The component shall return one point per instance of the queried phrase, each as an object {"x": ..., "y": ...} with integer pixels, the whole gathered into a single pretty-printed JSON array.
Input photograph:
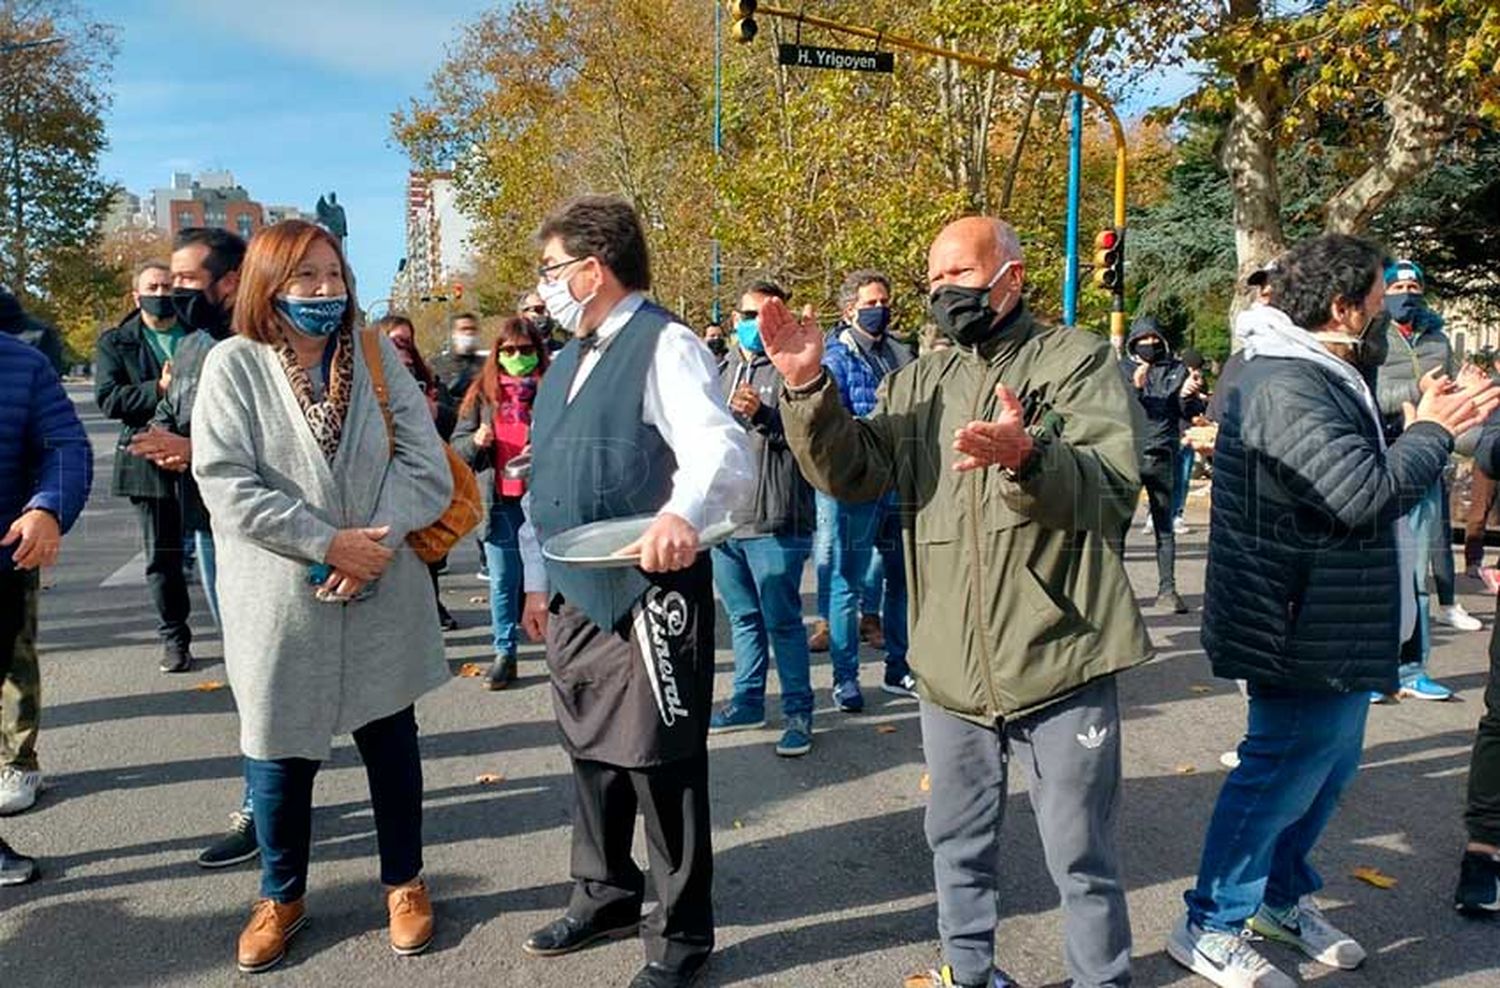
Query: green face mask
[{"x": 518, "y": 365}]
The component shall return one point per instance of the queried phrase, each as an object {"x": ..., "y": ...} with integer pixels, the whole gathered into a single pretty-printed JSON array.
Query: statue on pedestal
[{"x": 331, "y": 218}]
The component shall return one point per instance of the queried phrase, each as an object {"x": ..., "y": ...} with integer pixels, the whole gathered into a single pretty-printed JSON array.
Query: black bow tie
[{"x": 587, "y": 343}]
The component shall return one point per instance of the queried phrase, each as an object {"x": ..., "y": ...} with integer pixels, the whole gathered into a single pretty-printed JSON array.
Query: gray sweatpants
[{"x": 1071, "y": 752}]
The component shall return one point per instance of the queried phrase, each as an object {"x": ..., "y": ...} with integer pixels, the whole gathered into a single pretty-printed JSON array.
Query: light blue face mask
[
  {"x": 319, "y": 317},
  {"x": 747, "y": 331}
]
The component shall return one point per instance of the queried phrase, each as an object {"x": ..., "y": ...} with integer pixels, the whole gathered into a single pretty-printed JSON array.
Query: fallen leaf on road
[
  {"x": 738, "y": 825},
  {"x": 1200, "y": 689},
  {"x": 489, "y": 778},
  {"x": 926, "y": 784},
  {"x": 886, "y": 729},
  {"x": 207, "y": 687},
  {"x": 471, "y": 670},
  {"x": 1185, "y": 769},
  {"x": 1374, "y": 876}
]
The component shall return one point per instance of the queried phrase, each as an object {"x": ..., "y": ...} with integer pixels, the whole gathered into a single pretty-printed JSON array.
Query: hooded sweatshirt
[{"x": 1161, "y": 398}]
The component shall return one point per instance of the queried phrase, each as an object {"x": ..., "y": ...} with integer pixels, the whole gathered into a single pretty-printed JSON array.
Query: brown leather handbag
[{"x": 466, "y": 509}]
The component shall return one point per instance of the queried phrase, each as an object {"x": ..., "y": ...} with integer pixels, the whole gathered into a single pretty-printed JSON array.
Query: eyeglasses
[
  {"x": 548, "y": 272},
  {"x": 748, "y": 314},
  {"x": 513, "y": 349}
]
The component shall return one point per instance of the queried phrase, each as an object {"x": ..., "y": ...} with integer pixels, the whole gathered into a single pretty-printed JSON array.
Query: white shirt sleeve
[
  {"x": 715, "y": 474},
  {"x": 533, "y": 566}
]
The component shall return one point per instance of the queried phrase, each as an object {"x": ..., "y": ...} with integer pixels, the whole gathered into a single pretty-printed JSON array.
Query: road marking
[{"x": 132, "y": 574}]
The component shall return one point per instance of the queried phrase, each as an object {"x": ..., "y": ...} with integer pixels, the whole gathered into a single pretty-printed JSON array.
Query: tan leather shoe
[
  {"x": 264, "y": 939},
  {"x": 818, "y": 640},
  {"x": 411, "y": 917}
]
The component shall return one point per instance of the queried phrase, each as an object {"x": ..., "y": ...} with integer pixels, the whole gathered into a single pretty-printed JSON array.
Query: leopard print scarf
[{"x": 326, "y": 417}]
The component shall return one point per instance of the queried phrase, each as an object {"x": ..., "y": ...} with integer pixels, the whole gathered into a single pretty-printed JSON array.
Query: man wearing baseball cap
[{"x": 1420, "y": 349}]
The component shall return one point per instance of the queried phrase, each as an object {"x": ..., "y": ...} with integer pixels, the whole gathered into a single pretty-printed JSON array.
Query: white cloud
[{"x": 375, "y": 38}]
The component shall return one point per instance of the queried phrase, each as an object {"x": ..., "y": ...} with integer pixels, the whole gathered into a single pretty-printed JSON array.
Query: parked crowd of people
[{"x": 965, "y": 512}]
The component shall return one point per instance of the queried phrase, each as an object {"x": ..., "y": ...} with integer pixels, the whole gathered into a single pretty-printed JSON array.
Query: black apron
[{"x": 639, "y": 695}]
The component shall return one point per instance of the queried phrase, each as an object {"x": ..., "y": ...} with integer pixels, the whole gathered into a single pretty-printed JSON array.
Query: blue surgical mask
[
  {"x": 318, "y": 317},
  {"x": 747, "y": 331},
  {"x": 1404, "y": 307},
  {"x": 874, "y": 319}
]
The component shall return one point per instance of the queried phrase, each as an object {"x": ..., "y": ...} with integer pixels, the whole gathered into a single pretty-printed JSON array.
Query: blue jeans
[
  {"x": 1424, "y": 520},
  {"x": 870, "y": 592},
  {"x": 208, "y": 572},
  {"x": 282, "y": 793},
  {"x": 860, "y": 531},
  {"x": 502, "y": 550},
  {"x": 1184, "y": 480},
  {"x": 1301, "y": 750},
  {"x": 760, "y": 581}
]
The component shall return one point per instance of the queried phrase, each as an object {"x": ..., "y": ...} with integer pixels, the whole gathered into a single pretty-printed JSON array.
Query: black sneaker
[
  {"x": 237, "y": 846},
  {"x": 1478, "y": 885},
  {"x": 446, "y": 619},
  {"x": 15, "y": 869},
  {"x": 175, "y": 658}
]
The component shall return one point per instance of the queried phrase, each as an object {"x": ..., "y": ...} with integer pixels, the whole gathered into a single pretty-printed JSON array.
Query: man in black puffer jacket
[
  {"x": 1168, "y": 394},
  {"x": 1305, "y": 595}
]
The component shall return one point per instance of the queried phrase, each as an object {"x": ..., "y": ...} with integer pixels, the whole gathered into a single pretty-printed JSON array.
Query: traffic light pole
[
  {"x": 1035, "y": 76},
  {"x": 717, "y": 271}
]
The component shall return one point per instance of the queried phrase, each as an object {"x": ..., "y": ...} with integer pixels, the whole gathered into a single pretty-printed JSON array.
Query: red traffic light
[
  {"x": 458, "y": 290},
  {"x": 1106, "y": 240}
]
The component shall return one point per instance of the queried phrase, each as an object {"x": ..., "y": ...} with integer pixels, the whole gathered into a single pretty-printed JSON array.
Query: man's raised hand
[
  {"x": 1003, "y": 442},
  {"x": 794, "y": 345}
]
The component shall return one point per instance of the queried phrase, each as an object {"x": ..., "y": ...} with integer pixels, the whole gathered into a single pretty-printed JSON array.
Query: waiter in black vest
[{"x": 629, "y": 421}]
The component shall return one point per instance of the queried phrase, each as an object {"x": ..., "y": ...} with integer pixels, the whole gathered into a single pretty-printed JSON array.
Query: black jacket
[
  {"x": 125, "y": 374},
  {"x": 1161, "y": 398},
  {"x": 1304, "y": 581},
  {"x": 783, "y": 502}
]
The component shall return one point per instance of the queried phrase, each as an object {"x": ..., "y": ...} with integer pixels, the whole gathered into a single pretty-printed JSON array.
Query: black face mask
[
  {"x": 1375, "y": 345},
  {"x": 1150, "y": 352},
  {"x": 158, "y": 306},
  {"x": 195, "y": 311},
  {"x": 717, "y": 346},
  {"x": 963, "y": 314}
]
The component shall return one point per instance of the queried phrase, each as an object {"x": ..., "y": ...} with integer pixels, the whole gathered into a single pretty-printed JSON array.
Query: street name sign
[{"x": 840, "y": 59}]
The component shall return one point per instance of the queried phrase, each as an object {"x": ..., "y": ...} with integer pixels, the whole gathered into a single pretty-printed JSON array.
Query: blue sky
[{"x": 293, "y": 96}]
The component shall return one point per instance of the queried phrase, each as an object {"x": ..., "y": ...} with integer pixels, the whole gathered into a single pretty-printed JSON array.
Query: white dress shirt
[{"x": 715, "y": 473}]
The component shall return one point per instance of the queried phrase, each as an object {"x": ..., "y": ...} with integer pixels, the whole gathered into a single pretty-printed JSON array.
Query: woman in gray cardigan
[{"x": 328, "y": 621}]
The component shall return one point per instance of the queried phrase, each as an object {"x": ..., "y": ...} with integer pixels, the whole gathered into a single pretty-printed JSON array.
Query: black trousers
[
  {"x": 161, "y": 529},
  {"x": 1159, "y": 475},
  {"x": 1482, "y": 814},
  {"x": 609, "y": 888}
]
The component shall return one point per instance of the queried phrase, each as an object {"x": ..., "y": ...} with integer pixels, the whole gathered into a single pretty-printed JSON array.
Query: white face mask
[
  {"x": 561, "y": 305},
  {"x": 465, "y": 344}
]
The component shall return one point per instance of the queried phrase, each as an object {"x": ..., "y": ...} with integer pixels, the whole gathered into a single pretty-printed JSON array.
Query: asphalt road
[{"x": 822, "y": 873}]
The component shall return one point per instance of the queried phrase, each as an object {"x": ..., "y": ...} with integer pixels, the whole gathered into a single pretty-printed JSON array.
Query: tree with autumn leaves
[{"x": 823, "y": 171}]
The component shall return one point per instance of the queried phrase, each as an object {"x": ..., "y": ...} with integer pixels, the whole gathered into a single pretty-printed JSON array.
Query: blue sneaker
[
  {"x": 796, "y": 740},
  {"x": 847, "y": 697},
  {"x": 735, "y": 716},
  {"x": 1424, "y": 688},
  {"x": 1377, "y": 697}
]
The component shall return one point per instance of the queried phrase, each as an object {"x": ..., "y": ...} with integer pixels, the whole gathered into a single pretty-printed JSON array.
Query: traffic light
[
  {"x": 745, "y": 28},
  {"x": 1109, "y": 260},
  {"x": 458, "y": 291}
]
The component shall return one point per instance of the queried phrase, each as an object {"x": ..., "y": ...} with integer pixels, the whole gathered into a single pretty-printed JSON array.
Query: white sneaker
[
  {"x": 18, "y": 790},
  {"x": 1305, "y": 927},
  {"x": 1180, "y": 527},
  {"x": 1457, "y": 617},
  {"x": 1226, "y": 959}
]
